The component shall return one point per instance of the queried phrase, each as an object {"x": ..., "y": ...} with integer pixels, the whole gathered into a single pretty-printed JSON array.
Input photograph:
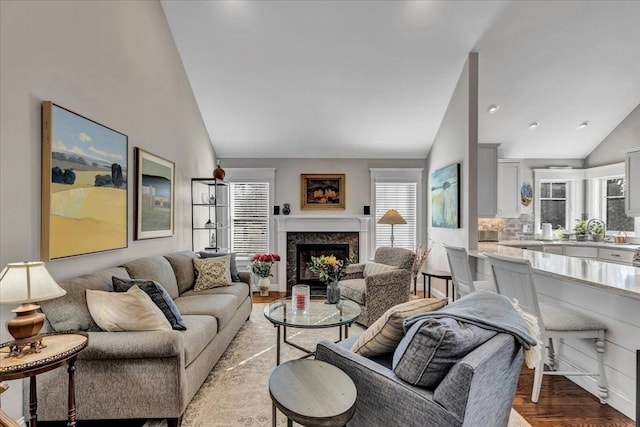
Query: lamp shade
[
  {"x": 392, "y": 216},
  {"x": 26, "y": 282}
]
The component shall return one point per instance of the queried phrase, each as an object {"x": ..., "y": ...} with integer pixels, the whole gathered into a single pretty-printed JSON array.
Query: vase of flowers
[
  {"x": 422, "y": 252},
  {"x": 261, "y": 267},
  {"x": 330, "y": 270}
]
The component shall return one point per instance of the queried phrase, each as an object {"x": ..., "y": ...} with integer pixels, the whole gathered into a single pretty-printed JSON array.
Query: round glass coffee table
[{"x": 319, "y": 315}]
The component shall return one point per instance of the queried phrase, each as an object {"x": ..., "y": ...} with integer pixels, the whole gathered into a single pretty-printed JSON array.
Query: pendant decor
[{"x": 218, "y": 172}]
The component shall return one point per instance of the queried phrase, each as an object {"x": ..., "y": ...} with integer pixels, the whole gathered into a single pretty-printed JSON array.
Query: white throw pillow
[
  {"x": 372, "y": 268},
  {"x": 125, "y": 311}
]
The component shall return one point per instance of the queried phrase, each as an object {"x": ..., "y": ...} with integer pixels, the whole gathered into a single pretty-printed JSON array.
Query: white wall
[
  {"x": 457, "y": 142},
  {"x": 611, "y": 150},
  {"x": 116, "y": 63}
]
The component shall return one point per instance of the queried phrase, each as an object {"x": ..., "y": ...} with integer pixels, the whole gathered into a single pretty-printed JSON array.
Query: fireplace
[{"x": 304, "y": 252}]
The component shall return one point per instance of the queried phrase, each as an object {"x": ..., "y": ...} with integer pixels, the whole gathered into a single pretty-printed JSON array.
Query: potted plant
[
  {"x": 261, "y": 267},
  {"x": 581, "y": 230},
  {"x": 596, "y": 230}
]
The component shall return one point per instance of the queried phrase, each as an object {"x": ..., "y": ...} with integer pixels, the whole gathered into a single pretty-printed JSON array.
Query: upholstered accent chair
[
  {"x": 379, "y": 285},
  {"x": 463, "y": 282}
]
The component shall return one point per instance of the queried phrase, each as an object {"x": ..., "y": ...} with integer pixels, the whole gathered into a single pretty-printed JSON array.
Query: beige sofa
[{"x": 150, "y": 374}]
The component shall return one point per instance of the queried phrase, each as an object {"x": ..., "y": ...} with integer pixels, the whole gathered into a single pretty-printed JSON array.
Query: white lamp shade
[
  {"x": 392, "y": 216},
  {"x": 25, "y": 282}
]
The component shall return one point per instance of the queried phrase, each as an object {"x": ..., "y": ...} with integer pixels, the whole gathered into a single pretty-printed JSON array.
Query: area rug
[{"x": 236, "y": 391}]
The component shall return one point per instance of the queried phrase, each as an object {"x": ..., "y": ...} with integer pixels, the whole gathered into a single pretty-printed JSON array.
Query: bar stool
[{"x": 461, "y": 272}]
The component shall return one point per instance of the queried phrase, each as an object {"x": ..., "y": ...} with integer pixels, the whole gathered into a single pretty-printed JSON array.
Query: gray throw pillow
[
  {"x": 232, "y": 264},
  {"x": 432, "y": 346},
  {"x": 159, "y": 296}
]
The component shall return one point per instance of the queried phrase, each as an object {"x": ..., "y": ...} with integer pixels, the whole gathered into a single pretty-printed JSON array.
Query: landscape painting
[
  {"x": 155, "y": 189},
  {"x": 84, "y": 185},
  {"x": 322, "y": 191},
  {"x": 445, "y": 197}
]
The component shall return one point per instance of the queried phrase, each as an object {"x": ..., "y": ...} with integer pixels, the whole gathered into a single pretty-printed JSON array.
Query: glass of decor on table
[{"x": 300, "y": 299}]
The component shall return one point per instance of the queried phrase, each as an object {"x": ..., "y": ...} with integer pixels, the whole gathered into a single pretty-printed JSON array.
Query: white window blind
[
  {"x": 249, "y": 218},
  {"x": 400, "y": 196}
]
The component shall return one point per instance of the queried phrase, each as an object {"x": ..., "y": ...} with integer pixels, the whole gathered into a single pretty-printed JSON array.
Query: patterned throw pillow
[
  {"x": 372, "y": 268},
  {"x": 212, "y": 272},
  {"x": 232, "y": 264},
  {"x": 385, "y": 333}
]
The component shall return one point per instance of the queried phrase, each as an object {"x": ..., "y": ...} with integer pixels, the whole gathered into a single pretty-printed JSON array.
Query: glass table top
[{"x": 319, "y": 314}]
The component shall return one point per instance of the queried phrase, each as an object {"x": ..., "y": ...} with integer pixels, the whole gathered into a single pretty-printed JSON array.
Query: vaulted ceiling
[{"x": 373, "y": 79}]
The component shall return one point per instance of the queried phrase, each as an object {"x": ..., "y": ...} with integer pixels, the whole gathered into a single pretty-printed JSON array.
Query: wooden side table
[
  {"x": 438, "y": 274},
  {"x": 61, "y": 349},
  {"x": 313, "y": 393}
]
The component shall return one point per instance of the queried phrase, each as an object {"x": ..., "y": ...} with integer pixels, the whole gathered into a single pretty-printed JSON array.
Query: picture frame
[
  {"x": 155, "y": 196},
  {"x": 445, "y": 197},
  {"x": 322, "y": 191},
  {"x": 84, "y": 185}
]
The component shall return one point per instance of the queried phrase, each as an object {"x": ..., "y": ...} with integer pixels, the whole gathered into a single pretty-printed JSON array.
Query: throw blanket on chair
[{"x": 494, "y": 312}]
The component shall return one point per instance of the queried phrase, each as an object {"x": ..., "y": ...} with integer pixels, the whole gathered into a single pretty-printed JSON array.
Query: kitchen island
[{"x": 604, "y": 290}]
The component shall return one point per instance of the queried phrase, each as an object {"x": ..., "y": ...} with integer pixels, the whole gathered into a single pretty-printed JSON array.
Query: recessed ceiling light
[
  {"x": 533, "y": 125},
  {"x": 583, "y": 125},
  {"x": 492, "y": 108}
]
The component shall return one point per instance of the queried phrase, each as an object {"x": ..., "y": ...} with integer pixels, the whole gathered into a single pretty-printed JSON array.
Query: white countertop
[
  {"x": 608, "y": 245},
  {"x": 620, "y": 279}
]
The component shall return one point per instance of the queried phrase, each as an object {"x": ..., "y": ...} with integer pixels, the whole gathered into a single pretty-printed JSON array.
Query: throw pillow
[
  {"x": 432, "y": 346},
  {"x": 385, "y": 333},
  {"x": 158, "y": 295},
  {"x": 235, "y": 277},
  {"x": 125, "y": 311},
  {"x": 372, "y": 268},
  {"x": 212, "y": 272}
]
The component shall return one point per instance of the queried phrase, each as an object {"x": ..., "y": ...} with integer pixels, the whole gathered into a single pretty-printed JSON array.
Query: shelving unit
[{"x": 210, "y": 215}]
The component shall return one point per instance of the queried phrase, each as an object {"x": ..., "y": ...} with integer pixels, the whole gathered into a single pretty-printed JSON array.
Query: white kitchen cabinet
[
  {"x": 615, "y": 255},
  {"x": 508, "y": 189},
  {"x": 632, "y": 182},
  {"x": 581, "y": 251},
  {"x": 487, "y": 180},
  {"x": 554, "y": 249}
]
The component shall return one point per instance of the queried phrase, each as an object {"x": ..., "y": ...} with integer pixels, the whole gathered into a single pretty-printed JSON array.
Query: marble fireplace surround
[{"x": 319, "y": 224}]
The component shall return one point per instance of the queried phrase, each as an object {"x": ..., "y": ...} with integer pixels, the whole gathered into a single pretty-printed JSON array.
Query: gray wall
[
  {"x": 611, "y": 150},
  {"x": 116, "y": 63}
]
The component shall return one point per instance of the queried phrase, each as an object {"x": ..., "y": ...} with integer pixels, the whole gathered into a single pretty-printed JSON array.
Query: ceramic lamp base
[{"x": 25, "y": 329}]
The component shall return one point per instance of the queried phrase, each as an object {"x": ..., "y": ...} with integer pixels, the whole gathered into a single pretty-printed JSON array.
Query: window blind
[
  {"x": 249, "y": 218},
  {"x": 400, "y": 196}
]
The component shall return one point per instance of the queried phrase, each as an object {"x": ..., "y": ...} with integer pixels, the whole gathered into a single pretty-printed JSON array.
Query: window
[
  {"x": 553, "y": 204},
  {"x": 400, "y": 196},
  {"x": 249, "y": 218},
  {"x": 613, "y": 206}
]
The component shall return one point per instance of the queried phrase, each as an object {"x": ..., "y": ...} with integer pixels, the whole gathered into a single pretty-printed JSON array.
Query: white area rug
[{"x": 236, "y": 392}]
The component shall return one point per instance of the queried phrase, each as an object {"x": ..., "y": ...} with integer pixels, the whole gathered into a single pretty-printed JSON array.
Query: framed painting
[
  {"x": 155, "y": 179},
  {"x": 445, "y": 197},
  {"x": 322, "y": 191},
  {"x": 84, "y": 185}
]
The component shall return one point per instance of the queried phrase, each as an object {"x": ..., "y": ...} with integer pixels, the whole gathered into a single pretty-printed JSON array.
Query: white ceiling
[{"x": 372, "y": 79}]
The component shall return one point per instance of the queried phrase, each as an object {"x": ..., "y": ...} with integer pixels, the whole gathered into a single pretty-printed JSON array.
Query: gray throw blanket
[{"x": 486, "y": 310}]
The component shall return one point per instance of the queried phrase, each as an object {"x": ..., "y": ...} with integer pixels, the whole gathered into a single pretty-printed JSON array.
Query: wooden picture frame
[
  {"x": 445, "y": 197},
  {"x": 155, "y": 195},
  {"x": 84, "y": 185},
  {"x": 322, "y": 191}
]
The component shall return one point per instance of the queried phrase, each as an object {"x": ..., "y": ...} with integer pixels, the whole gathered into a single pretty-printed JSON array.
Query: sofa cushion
[
  {"x": 158, "y": 295},
  {"x": 125, "y": 311},
  {"x": 154, "y": 268},
  {"x": 372, "y": 268},
  {"x": 354, "y": 289},
  {"x": 70, "y": 312},
  {"x": 385, "y": 333},
  {"x": 182, "y": 264},
  {"x": 239, "y": 290},
  {"x": 200, "y": 331},
  {"x": 233, "y": 266},
  {"x": 212, "y": 272},
  {"x": 432, "y": 346},
  {"x": 222, "y": 307}
]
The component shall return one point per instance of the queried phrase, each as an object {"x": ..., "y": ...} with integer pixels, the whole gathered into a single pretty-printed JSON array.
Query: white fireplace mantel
[{"x": 318, "y": 224}]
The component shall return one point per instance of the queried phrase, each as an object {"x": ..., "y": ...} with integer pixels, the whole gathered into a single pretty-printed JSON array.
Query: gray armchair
[
  {"x": 477, "y": 391},
  {"x": 380, "y": 285}
]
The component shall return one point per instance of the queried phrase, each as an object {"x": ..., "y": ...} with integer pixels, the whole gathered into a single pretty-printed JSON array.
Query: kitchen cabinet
[
  {"x": 487, "y": 180},
  {"x": 210, "y": 215},
  {"x": 554, "y": 249},
  {"x": 632, "y": 182},
  {"x": 508, "y": 189},
  {"x": 581, "y": 251},
  {"x": 615, "y": 255}
]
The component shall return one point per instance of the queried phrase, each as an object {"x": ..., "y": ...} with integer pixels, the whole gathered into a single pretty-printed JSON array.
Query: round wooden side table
[
  {"x": 59, "y": 349},
  {"x": 312, "y": 393}
]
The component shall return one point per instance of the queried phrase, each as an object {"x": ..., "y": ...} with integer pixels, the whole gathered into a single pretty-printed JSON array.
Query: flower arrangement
[
  {"x": 328, "y": 267},
  {"x": 422, "y": 252},
  {"x": 261, "y": 264}
]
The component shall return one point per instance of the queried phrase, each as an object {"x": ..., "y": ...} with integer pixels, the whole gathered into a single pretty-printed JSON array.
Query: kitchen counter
[
  {"x": 529, "y": 243},
  {"x": 623, "y": 280}
]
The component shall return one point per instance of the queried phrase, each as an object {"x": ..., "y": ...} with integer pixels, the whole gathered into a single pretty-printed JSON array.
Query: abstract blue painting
[{"x": 445, "y": 197}]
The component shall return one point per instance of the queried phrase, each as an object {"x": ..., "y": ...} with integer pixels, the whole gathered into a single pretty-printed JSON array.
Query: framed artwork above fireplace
[{"x": 322, "y": 191}]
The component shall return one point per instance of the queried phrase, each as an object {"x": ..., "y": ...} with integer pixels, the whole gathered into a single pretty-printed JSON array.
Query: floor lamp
[{"x": 392, "y": 217}]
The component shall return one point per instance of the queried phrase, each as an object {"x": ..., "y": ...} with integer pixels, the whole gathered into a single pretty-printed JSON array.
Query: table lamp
[
  {"x": 26, "y": 283},
  {"x": 392, "y": 217}
]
